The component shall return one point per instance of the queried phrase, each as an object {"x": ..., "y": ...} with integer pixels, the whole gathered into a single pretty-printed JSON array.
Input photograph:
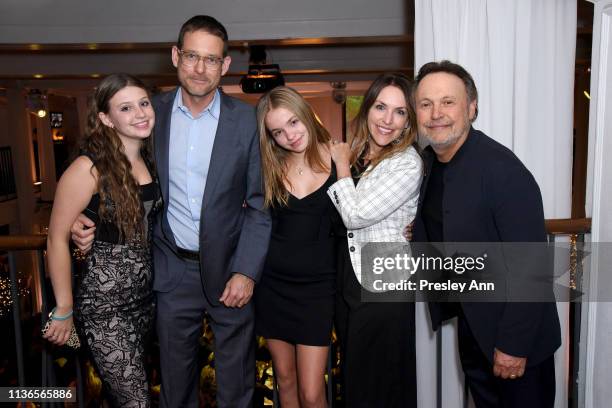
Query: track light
[{"x": 261, "y": 77}]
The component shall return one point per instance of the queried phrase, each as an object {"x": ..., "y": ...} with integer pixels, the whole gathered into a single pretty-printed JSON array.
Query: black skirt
[{"x": 377, "y": 346}]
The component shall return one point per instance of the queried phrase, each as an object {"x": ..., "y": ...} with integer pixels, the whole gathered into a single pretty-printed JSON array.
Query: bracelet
[
  {"x": 64, "y": 317},
  {"x": 78, "y": 254}
]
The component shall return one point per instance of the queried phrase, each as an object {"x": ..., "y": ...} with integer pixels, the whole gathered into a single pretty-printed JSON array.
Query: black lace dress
[{"x": 114, "y": 305}]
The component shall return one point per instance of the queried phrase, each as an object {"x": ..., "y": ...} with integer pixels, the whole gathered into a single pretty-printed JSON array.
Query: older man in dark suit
[
  {"x": 211, "y": 238},
  {"x": 476, "y": 190}
]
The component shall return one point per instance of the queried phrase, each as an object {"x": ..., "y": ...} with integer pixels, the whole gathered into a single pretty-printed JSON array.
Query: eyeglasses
[{"x": 190, "y": 59}]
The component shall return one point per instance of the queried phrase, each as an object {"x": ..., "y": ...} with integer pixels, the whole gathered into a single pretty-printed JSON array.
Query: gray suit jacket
[{"x": 234, "y": 226}]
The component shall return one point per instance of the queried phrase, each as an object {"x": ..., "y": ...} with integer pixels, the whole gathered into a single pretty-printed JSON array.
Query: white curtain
[{"x": 521, "y": 54}]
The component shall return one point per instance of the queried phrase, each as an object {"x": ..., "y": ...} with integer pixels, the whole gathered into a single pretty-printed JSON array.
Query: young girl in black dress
[
  {"x": 294, "y": 301},
  {"x": 112, "y": 180}
]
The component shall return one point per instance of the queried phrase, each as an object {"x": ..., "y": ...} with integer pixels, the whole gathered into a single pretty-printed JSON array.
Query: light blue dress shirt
[{"x": 191, "y": 144}]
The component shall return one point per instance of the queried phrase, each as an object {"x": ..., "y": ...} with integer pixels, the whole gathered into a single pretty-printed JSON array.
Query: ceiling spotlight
[
  {"x": 41, "y": 113},
  {"x": 261, "y": 77}
]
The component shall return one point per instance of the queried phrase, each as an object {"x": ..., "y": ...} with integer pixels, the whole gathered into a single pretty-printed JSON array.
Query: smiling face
[
  {"x": 387, "y": 117},
  {"x": 130, "y": 113},
  {"x": 444, "y": 113},
  {"x": 287, "y": 130},
  {"x": 199, "y": 82}
]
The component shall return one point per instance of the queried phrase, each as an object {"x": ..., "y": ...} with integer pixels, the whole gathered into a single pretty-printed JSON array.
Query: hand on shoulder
[{"x": 341, "y": 155}]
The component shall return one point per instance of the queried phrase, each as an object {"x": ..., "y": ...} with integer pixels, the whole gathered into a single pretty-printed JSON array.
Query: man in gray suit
[{"x": 211, "y": 238}]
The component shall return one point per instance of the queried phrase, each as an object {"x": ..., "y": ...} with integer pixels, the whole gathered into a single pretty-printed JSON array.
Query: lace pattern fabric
[
  {"x": 114, "y": 310},
  {"x": 115, "y": 306}
]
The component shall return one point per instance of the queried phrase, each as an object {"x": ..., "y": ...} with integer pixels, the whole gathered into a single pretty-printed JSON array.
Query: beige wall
[{"x": 319, "y": 95}]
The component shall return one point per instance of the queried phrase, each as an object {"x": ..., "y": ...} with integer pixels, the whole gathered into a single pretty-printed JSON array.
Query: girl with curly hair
[{"x": 113, "y": 182}]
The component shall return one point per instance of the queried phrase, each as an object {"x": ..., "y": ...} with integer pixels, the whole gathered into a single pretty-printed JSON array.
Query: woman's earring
[{"x": 401, "y": 136}]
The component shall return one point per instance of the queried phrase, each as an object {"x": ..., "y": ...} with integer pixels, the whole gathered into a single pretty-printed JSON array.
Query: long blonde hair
[
  {"x": 359, "y": 136},
  {"x": 273, "y": 157}
]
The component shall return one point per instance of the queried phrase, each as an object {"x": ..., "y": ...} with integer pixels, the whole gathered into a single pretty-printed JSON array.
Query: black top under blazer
[{"x": 490, "y": 196}]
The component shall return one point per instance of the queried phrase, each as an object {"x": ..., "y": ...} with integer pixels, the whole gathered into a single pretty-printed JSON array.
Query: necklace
[{"x": 300, "y": 169}]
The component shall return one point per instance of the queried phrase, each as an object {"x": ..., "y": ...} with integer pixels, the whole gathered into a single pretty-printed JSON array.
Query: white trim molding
[{"x": 597, "y": 349}]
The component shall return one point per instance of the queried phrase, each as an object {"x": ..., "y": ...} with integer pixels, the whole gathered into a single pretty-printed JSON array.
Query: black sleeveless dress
[
  {"x": 294, "y": 301},
  {"x": 114, "y": 305}
]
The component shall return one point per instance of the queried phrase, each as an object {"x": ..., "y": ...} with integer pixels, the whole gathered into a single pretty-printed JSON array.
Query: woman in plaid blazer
[{"x": 379, "y": 174}]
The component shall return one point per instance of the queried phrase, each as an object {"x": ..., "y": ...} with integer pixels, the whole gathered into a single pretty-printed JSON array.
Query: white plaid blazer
[{"x": 381, "y": 205}]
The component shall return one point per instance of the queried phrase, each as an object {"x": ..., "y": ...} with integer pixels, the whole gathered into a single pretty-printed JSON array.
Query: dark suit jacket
[
  {"x": 234, "y": 226},
  {"x": 490, "y": 196}
]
